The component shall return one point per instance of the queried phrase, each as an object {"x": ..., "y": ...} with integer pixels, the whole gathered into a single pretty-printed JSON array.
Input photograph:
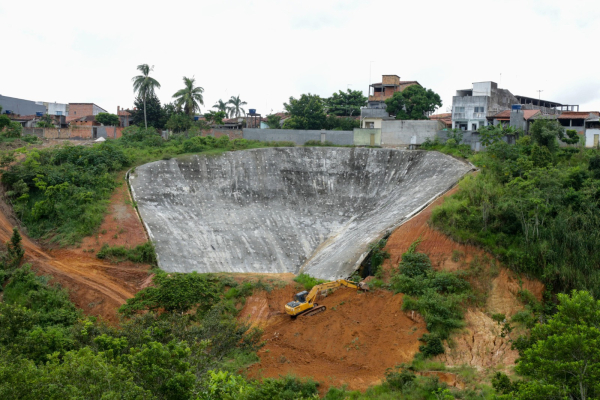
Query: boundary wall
[
  {"x": 300, "y": 136},
  {"x": 404, "y": 133}
]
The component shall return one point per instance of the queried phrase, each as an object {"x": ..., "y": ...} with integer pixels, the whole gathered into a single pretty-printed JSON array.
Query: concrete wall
[
  {"x": 75, "y": 132},
  {"x": 472, "y": 138},
  {"x": 299, "y": 136},
  {"x": 367, "y": 137},
  {"x": 589, "y": 137},
  {"x": 230, "y": 133},
  {"x": 20, "y": 106},
  {"x": 399, "y": 133}
]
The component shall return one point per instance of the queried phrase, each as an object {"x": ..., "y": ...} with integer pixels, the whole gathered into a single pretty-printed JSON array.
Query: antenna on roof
[{"x": 539, "y": 94}]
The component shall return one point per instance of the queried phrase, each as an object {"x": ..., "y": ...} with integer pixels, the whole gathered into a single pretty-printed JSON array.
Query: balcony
[{"x": 459, "y": 115}]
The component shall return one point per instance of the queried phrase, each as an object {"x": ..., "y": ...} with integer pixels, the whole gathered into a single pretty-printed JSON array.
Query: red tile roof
[
  {"x": 530, "y": 113},
  {"x": 441, "y": 116},
  {"x": 578, "y": 114}
]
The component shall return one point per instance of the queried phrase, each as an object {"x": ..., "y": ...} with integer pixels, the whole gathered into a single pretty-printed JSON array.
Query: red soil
[
  {"x": 96, "y": 286},
  {"x": 357, "y": 341},
  {"x": 353, "y": 342}
]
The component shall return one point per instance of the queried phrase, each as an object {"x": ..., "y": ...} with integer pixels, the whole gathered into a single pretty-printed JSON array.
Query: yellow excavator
[{"x": 303, "y": 303}]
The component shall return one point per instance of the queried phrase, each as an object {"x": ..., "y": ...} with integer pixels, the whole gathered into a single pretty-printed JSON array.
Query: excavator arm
[
  {"x": 307, "y": 306},
  {"x": 328, "y": 285}
]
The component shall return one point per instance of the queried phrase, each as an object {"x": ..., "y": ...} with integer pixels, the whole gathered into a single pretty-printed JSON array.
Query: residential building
[
  {"x": 125, "y": 117},
  {"x": 78, "y": 110},
  {"x": 372, "y": 116},
  {"x": 516, "y": 117},
  {"x": 380, "y": 92},
  {"x": 470, "y": 107},
  {"x": 576, "y": 120},
  {"x": 444, "y": 118},
  {"x": 13, "y": 105},
  {"x": 55, "y": 108}
]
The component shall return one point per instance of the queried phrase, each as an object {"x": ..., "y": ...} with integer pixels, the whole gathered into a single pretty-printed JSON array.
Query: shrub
[
  {"x": 142, "y": 253},
  {"x": 308, "y": 281}
]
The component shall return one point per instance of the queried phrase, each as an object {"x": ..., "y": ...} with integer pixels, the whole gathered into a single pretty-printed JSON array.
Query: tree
[
  {"x": 179, "y": 123},
  {"x": 346, "y": 103},
  {"x": 563, "y": 359},
  {"x": 144, "y": 85},
  {"x": 274, "y": 121},
  {"x": 571, "y": 137},
  {"x": 414, "y": 102},
  {"x": 155, "y": 115},
  {"x": 305, "y": 113},
  {"x": 107, "y": 119},
  {"x": 13, "y": 130},
  {"x": 545, "y": 131},
  {"x": 190, "y": 97},
  {"x": 235, "y": 109},
  {"x": 216, "y": 117},
  {"x": 45, "y": 122},
  {"x": 176, "y": 292},
  {"x": 221, "y": 106}
]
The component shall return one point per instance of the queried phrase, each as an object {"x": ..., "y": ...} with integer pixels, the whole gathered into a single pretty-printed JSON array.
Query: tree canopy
[
  {"x": 346, "y": 103},
  {"x": 235, "y": 107},
  {"x": 563, "y": 361},
  {"x": 221, "y": 105},
  {"x": 414, "y": 102},
  {"x": 107, "y": 119},
  {"x": 545, "y": 132},
  {"x": 155, "y": 114},
  {"x": 190, "y": 97},
  {"x": 144, "y": 85},
  {"x": 307, "y": 112}
]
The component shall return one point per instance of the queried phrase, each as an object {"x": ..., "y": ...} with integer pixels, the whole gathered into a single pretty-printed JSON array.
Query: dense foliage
[
  {"x": 107, "y": 119},
  {"x": 307, "y": 112},
  {"x": 346, "y": 103},
  {"x": 534, "y": 205},
  {"x": 414, "y": 102}
]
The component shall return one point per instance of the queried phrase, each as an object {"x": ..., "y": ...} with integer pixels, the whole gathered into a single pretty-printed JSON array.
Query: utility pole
[{"x": 539, "y": 94}]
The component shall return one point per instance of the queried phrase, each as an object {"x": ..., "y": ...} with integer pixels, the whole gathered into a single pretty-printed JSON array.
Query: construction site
[{"x": 271, "y": 214}]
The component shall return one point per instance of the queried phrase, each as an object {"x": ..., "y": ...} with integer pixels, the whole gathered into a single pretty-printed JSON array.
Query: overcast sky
[{"x": 267, "y": 51}]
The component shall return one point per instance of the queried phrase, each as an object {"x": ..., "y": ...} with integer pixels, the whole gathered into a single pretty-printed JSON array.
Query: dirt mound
[
  {"x": 97, "y": 287},
  {"x": 353, "y": 342}
]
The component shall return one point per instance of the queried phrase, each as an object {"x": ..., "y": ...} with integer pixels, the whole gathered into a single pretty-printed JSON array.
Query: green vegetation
[
  {"x": 108, "y": 119},
  {"x": 142, "y": 253},
  {"x": 190, "y": 97},
  {"x": 452, "y": 146},
  {"x": 438, "y": 296},
  {"x": 307, "y": 112},
  {"x": 45, "y": 122},
  {"x": 307, "y": 281},
  {"x": 61, "y": 193},
  {"x": 49, "y": 350},
  {"x": 144, "y": 85},
  {"x": 234, "y": 107},
  {"x": 346, "y": 103},
  {"x": 534, "y": 205},
  {"x": 414, "y": 102}
]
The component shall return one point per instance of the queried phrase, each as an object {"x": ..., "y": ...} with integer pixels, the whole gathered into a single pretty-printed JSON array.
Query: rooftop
[{"x": 578, "y": 114}]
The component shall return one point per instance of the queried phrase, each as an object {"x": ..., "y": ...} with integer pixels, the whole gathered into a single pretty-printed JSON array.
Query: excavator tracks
[{"x": 315, "y": 311}]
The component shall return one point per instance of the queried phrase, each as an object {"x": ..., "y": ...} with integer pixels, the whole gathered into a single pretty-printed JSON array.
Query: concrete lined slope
[{"x": 284, "y": 209}]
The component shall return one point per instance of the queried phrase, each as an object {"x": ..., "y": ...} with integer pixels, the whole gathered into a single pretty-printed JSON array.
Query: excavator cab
[{"x": 301, "y": 297}]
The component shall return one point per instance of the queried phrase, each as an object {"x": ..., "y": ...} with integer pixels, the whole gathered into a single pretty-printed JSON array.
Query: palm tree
[
  {"x": 190, "y": 97},
  {"x": 221, "y": 106},
  {"x": 144, "y": 85},
  {"x": 236, "y": 106}
]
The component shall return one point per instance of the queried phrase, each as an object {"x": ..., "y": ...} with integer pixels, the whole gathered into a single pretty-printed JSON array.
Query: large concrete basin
[{"x": 313, "y": 210}]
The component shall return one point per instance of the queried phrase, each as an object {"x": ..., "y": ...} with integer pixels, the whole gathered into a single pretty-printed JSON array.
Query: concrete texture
[
  {"x": 367, "y": 137},
  {"x": 404, "y": 133},
  {"x": 313, "y": 210},
  {"x": 299, "y": 136}
]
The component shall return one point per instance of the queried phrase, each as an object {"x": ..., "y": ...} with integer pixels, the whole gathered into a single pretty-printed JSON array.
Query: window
[
  {"x": 459, "y": 109},
  {"x": 74, "y": 112},
  {"x": 478, "y": 109},
  {"x": 59, "y": 113},
  {"x": 370, "y": 125}
]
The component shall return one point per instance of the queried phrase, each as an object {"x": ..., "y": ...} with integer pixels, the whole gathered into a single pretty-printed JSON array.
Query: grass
[
  {"x": 142, "y": 253},
  {"x": 307, "y": 281}
]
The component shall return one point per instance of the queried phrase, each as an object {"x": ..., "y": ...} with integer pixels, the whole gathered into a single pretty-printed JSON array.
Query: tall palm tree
[
  {"x": 221, "y": 106},
  {"x": 190, "y": 97},
  {"x": 236, "y": 106},
  {"x": 144, "y": 85}
]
